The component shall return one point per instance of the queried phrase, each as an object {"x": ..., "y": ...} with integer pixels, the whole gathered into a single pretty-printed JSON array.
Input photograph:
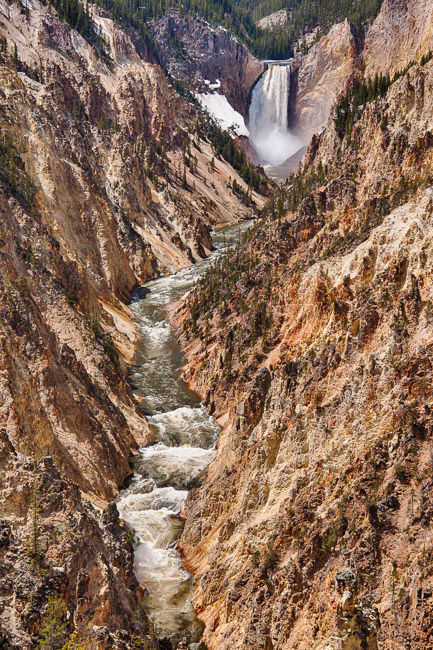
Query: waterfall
[{"x": 269, "y": 116}]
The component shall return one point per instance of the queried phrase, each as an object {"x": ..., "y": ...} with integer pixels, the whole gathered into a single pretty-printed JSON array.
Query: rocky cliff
[
  {"x": 402, "y": 32},
  {"x": 65, "y": 567},
  {"x": 321, "y": 76},
  {"x": 195, "y": 52},
  {"x": 105, "y": 182},
  {"x": 313, "y": 526}
]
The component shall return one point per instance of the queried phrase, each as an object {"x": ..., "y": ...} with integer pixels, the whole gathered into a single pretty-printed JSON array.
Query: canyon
[
  {"x": 102, "y": 188},
  {"x": 312, "y": 528},
  {"x": 303, "y": 505}
]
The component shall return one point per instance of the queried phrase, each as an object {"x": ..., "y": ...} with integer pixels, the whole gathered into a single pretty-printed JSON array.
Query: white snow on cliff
[{"x": 219, "y": 108}]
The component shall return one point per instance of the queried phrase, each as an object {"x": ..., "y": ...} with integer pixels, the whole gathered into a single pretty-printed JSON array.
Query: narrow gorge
[
  {"x": 216, "y": 325},
  {"x": 182, "y": 445}
]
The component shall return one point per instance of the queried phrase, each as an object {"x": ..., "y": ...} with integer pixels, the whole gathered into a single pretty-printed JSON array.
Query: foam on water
[
  {"x": 157, "y": 499},
  {"x": 169, "y": 584},
  {"x": 182, "y": 447},
  {"x": 186, "y": 426},
  {"x": 176, "y": 466}
]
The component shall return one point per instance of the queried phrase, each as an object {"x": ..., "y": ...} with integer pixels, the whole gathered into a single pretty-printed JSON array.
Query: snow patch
[
  {"x": 214, "y": 86},
  {"x": 219, "y": 107}
]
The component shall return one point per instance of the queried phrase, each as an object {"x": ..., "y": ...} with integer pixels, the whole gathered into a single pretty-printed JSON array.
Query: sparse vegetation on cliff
[
  {"x": 304, "y": 341},
  {"x": 361, "y": 91},
  {"x": 12, "y": 172}
]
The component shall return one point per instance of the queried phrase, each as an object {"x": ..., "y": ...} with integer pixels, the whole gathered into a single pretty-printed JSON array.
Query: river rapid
[{"x": 181, "y": 447}]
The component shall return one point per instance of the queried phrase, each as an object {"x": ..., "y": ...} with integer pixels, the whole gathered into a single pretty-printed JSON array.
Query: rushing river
[{"x": 182, "y": 446}]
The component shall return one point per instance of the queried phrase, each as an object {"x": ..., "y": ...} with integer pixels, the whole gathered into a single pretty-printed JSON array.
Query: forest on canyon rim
[{"x": 309, "y": 341}]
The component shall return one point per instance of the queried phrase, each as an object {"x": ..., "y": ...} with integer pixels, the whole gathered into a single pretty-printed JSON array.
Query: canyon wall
[
  {"x": 312, "y": 529},
  {"x": 105, "y": 182},
  {"x": 194, "y": 51},
  {"x": 67, "y": 567},
  {"x": 321, "y": 76},
  {"x": 401, "y": 33}
]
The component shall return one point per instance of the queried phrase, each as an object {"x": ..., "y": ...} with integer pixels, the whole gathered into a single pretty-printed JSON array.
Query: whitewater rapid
[{"x": 182, "y": 446}]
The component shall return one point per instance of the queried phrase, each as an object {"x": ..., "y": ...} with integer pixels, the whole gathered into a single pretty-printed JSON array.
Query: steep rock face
[
  {"x": 321, "y": 77},
  {"x": 102, "y": 186},
  {"x": 402, "y": 32},
  {"x": 193, "y": 51},
  {"x": 312, "y": 529},
  {"x": 92, "y": 424},
  {"x": 93, "y": 204},
  {"x": 63, "y": 566}
]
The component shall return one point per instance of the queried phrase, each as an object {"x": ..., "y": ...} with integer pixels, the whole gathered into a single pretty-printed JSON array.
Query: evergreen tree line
[
  {"x": 361, "y": 91},
  {"x": 224, "y": 147},
  {"x": 305, "y": 15},
  {"x": 240, "y": 17}
]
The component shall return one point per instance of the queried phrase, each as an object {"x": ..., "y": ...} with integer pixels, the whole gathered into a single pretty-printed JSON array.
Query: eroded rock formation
[
  {"x": 321, "y": 76},
  {"x": 313, "y": 527},
  {"x": 65, "y": 565},
  {"x": 194, "y": 51},
  {"x": 402, "y": 33}
]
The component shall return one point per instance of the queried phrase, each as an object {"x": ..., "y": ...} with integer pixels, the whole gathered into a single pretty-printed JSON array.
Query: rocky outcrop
[
  {"x": 274, "y": 21},
  {"x": 401, "y": 33},
  {"x": 322, "y": 75},
  {"x": 105, "y": 182},
  {"x": 312, "y": 527},
  {"x": 195, "y": 52},
  {"x": 65, "y": 569}
]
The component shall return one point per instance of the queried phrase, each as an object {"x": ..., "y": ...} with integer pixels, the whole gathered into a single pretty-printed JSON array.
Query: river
[{"x": 182, "y": 446}]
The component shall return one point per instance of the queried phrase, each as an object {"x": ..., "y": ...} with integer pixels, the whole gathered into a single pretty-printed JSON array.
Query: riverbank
[{"x": 178, "y": 452}]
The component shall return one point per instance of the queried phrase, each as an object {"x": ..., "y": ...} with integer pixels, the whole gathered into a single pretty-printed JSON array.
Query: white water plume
[{"x": 269, "y": 116}]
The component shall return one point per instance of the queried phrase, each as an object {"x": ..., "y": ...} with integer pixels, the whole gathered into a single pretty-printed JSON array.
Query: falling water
[
  {"x": 269, "y": 116},
  {"x": 182, "y": 446}
]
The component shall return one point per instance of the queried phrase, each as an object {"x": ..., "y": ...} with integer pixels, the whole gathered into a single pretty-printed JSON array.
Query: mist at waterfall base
[{"x": 269, "y": 116}]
